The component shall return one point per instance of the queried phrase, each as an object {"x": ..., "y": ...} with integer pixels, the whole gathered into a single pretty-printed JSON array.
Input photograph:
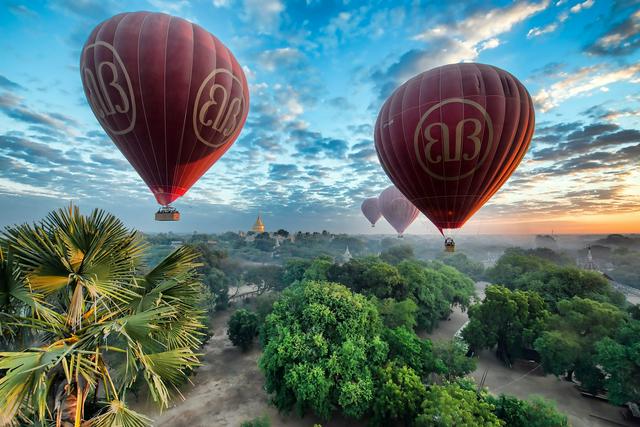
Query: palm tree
[{"x": 83, "y": 325}]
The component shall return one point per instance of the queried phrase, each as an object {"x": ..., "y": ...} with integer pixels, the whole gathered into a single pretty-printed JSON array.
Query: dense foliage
[
  {"x": 568, "y": 345},
  {"x": 510, "y": 320},
  {"x": 83, "y": 319},
  {"x": 464, "y": 264},
  {"x": 453, "y": 405},
  {"x": 322, "y": 346},
  {"x": 242, "y": 328},
  {"x": 588, "y": 335},
  {"x": 538, "y": 270},
  {"x": 537, "y": 412}
]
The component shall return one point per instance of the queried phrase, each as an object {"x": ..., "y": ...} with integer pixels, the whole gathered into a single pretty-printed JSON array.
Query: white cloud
[
  {"x": 264, "y": 14},
  {"x": 464, "y": 40},
  {"x": 277, "y": 58},
  {"x": 582, "y": 6},
  {"x": 221, "y": 3},
  {"x": 486, "y": 25},
  {"x": 584, "y": 81},
  {"x": 538, "y": 31},
  {"x": 621, "y": 38}
]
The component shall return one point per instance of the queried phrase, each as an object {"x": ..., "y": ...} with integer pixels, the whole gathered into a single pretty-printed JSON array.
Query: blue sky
[{"x": 318, "y": 73}]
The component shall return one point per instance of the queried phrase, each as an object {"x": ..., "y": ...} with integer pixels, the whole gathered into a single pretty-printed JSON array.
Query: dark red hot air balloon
[
  {"x": 396, "y": 209},
  {"x": 371, "y": 210},
  {"x": 170, "y": 95},
  {"x": 451, "y": 136}
]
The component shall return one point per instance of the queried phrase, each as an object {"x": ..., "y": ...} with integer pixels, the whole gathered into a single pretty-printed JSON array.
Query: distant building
[
  {"x": 589, "y": 264},
  {"x": 258, "y": 227},
  {"x": 346, "y": 256}
]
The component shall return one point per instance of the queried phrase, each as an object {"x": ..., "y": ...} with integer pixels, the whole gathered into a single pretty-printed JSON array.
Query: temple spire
[{"x": 258, "y": 227}]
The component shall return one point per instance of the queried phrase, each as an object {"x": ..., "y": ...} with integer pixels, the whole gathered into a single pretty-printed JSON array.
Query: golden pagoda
[{"x": 258, "y": 227}]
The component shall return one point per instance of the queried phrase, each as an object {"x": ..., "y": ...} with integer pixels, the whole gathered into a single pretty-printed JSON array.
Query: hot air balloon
[
  {"x": 396, "y": 209},
  {"x": 451, "y": 136},
  {"x": 371, "y": 210},
  {"x": 170, "y": 95}
]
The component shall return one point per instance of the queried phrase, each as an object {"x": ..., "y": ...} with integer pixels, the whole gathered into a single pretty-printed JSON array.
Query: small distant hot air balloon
[
  {"x": 170, "y": 95},
  {"x": 396, "y": 209},
  {"x": 451, "y": 136},
  {"x": 371, "y": 210}
]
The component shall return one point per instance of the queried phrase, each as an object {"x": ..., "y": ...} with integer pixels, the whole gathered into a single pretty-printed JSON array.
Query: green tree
[
  {"x": 293, "y": 270},
  {"x": 569, "y": 342},
  {"x": 265, "y": 277},
  {"x": 619, "y": 357},
  {"x": 451, "y": 405},
  {"x": 452, "y": 359},
  {"x": 434, "y": 287},
  {"x": 406, "y": 348},
  {"x": 396, "y": 254},
  {"x": 370, "y": 276},
  {"x": 512, "y": 320},
  {"x": 322, "y": 347},
  {"x": 397, "y": 313},
  {"x": 399, "y": 393},
  {"x": 242, "y": 328},
  {"x": 537, "y": 412},
  {"x": 318, "y": 269},
  {"x": 552, "y": 276},
  {"x": 463, "y": 264},
  {"x": 99, "y": 324}
]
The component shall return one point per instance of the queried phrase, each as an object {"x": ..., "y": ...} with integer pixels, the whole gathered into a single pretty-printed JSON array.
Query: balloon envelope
[
  {"x": 371, "y": 210},
  {"x": 451, "y": 136},
  {"x": 170, "y": 95},
  {"x": 396, "y": 209}
]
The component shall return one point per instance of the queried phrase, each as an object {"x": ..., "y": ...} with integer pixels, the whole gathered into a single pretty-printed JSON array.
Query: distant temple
[
  {"x": 590, "y": 264},
  {"x": 346, "y": 256},
  {"x": 258, "y": 227}
]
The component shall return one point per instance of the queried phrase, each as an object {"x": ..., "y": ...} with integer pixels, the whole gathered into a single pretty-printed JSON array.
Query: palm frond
[
  {"x": 180, "y": 261},
  {"x": 118, "y": 415},
  {"x": 25, "y": 372},
  {"x": 167, "y": 368}
]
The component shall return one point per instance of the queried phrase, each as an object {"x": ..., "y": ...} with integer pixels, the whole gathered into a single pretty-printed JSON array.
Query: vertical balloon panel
[{"x": 170, "y": 95}]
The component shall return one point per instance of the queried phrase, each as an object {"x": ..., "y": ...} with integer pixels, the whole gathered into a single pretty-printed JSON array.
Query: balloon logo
[
  {"x": 470, "y": 149},
  {"x": 170, "y": 95},
  {"x": 117, "y": 115},
  {"x": 450, "y": 137}
]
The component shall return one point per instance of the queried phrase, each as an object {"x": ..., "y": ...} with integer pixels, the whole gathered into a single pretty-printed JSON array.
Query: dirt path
[
  {"x": 526, "y": 380},
  {"x": 228, "y": 390}
]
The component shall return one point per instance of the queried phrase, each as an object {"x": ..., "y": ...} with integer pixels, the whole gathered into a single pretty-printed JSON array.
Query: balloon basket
[
  {"x": 167, "y": 213},
  {"x": 449, "y": 245}
]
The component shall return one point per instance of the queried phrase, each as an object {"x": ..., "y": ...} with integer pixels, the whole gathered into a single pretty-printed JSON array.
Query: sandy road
[{"x": 227, "y": 390}]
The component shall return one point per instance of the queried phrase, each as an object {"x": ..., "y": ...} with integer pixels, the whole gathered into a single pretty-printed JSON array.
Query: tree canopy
[
  {"x": 512, "y": 320},
  {"x": 322, "y": 346}
]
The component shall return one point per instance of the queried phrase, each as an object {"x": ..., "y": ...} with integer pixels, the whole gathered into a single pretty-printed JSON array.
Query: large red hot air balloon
[
  {"x": 396, "y": 209},
  {"x": 170, "y": 95},
  {"x": 451, "y": 136},
  {"x": 371, "y": 210}
]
